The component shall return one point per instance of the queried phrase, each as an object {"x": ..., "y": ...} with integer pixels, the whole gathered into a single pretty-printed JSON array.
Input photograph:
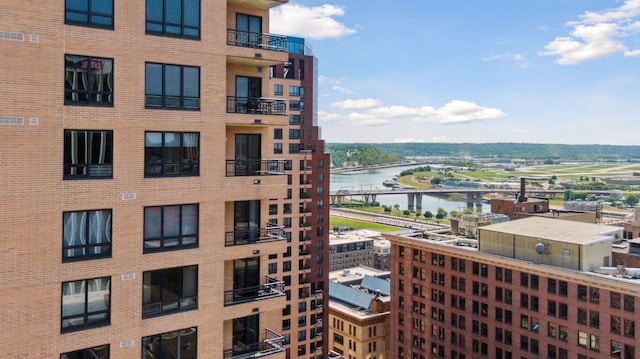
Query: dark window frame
[
  {"x": 184, "y": 301},
  {"x": 87, "y": 247},
  {"x": 165, "y": 101},
  {"x": 85, "y": 315},
  {"x": 195, "y": 165},
  {"x": 88, "y": 170},
  {"x": 90, "y": 14},
  {"x": 152, "y": 345},
  {"x": 88, "y": 353},
  {"x": 181, "y": 25},
  {"x": 90, "y": 95},
  {"x": 179, "y": 237}
]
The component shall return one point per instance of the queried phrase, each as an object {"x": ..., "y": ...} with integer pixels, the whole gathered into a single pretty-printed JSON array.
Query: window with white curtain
[
  {"x": 88, "y": 154},
  {"x": 88, "y": 81},
  {"x": 86, "y": 235},
  {"x": 86, "y": 303}
]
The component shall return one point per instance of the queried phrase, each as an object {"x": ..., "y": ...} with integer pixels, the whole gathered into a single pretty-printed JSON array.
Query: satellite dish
[{"x": 540, "y": 248}]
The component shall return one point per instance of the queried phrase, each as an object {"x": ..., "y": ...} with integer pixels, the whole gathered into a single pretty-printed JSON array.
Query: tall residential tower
[{"x": 163, "y": 182}]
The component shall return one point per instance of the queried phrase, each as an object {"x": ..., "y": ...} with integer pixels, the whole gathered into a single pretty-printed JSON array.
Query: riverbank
[{"x": 363, "y": 169}]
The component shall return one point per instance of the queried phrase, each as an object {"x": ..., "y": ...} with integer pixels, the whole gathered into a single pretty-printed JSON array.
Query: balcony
[
  {"x": 252, "y": 236},
  {"x": 271, "y": 344},
  {"x": 256, "y": 105},
  {"x": 273, "y": 288},
  {"x": 256, "y": 40},
  {"x": 257, "y": 4},
  {"x": 258, "y": 167}
]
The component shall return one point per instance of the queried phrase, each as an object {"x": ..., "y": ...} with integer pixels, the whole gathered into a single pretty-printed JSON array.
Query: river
[{"x": 372, "y": 180}]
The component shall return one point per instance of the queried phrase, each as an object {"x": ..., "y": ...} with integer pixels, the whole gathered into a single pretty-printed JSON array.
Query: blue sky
[{"x": 530, "y": 71}]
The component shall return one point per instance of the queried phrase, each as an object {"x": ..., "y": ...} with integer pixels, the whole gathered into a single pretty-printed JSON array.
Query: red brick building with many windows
[{"x": 533, "y": 288}]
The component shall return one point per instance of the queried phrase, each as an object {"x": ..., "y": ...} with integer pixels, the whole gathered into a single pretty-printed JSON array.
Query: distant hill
[
  {"x": 359, "y": 155},
  {"x": 494, "y": 150}
]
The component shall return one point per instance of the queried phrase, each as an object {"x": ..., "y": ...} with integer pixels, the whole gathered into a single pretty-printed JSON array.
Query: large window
[
  {"x": 179, "y": 344},
  {"x": 169, "y": 290},
  {"x": 180, "y": 18},
  {"x": 86, "y": 303},
  {"x": 172, "y": 86},
  {"x": 101, "y": 352},
  {"x": 96, "y": 13},
  {"x": 171, "y": 154},
  {"x": 88, "y": 80},
  {"x": 86, "y": 234},
  {"x": 88, "y": 154},
  {"x": 170, "y": 227}
]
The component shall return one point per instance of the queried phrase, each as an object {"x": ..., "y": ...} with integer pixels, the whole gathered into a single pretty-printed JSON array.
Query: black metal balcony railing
[
  {"x": 256, "y": 105},
  {"x": 273, "y": 288},
  {"x": 272, "y": 343},
  {"x": 272, "y": 232},
  {"x": 256, "y": 40},
  {"x": 257, "y": 167}
]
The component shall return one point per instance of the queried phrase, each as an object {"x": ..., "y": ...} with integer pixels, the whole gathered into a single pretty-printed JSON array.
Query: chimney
[{"x": 522, "y": 196}]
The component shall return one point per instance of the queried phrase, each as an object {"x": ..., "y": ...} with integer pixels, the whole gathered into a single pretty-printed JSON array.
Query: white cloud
[
  {"x": 356, "y": 104},
  {"x": 596, "y": 35},
  {"x": 309, "y": 22},
  {"x": 366, "y": 120},
  {"x": 395, "y": 111},
  {"x": 458, "y": 111},
  {"x": 632, "y": 53},
  {"x": 520, "y": 60},
  {"x": 329, "y": 116},
  {"x": 341, "y": 89}
]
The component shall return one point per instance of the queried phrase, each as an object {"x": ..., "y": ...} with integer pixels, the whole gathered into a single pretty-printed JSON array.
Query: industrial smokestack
[{"x": 522, "y": 195}]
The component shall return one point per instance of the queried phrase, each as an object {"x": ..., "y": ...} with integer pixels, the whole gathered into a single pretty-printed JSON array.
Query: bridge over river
[{"x": 414, "y": 196}]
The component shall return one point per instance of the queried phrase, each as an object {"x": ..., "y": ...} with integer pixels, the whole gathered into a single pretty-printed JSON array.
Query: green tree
[
  {"x": 396, "y": 206},
  {"x": 406, "y": 212},
  {"x": 453, "y": 213},
  {"x": 428, "y": 214},
  {"x": 436, "y": 180},
  {"x": 568, "y": 195},
  {"x": 631, "y": 200},
  {"x": 441, "y": 213},
  {"x": 387, "y": 209}
]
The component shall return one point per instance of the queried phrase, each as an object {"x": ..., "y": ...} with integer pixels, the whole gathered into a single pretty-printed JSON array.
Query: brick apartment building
[
  {"x": 164, "y": 184},
  {"x": 531, "y": 288}
]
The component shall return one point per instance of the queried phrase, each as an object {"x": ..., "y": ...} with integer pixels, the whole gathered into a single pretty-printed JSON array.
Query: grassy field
[{"x": 354, "y": 224}]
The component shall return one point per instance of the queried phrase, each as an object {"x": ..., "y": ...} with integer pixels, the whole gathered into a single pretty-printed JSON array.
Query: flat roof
[{"x": 554, "y": 230}]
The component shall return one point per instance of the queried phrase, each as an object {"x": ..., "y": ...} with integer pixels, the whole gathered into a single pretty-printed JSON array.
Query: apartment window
[
  {"x": 277, "y": 148},
  {"x": 168, "y": 154},
  {"x": 552, "y": 285},
  {"x": 88, "y": 80},
  {"x": 563, "y": 288},
  {"x": 296, "y": 91},
  {"x": 170, "y": 227},
  {"x": 629, "y": 303},
  {"x": 172, "y": 86},
  {"x": 94, "y": 13},
  {"x": 86, "y": 235},
  {"x": 179, "y": 344},
  {"x": 88, "y": 154},
  {"x": 278, "y": 90},
  {"x": 86, "y": 303},
  {"x": 295, "y": 105},
  {"x": 615, "y": 300},
  {"x": 295, "y": 134},
  {"x": 169, "y": 290},
  {"x": 582, "y": 292},
  {"x": 99, "y": 352},
  {"x": 179, "y": 18},
  {"x": 273, "y": 268}
]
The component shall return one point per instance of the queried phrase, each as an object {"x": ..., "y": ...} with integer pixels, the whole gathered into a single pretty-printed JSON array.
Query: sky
[{"x": 525, "y": 71}]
